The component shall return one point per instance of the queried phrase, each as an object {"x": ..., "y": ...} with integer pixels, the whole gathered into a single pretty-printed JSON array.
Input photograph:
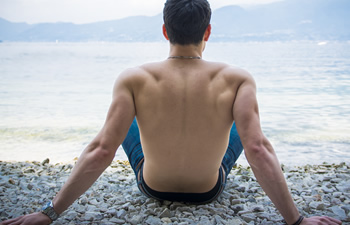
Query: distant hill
[{"x": 286, "y": 20}]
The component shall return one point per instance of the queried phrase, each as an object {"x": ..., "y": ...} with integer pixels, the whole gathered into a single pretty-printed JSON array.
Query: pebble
[
  {"x": 153, "y": 221},
  {"x": 166, "y": 220},
  {"x": 136, "y": 219},
  {"x": 117, "y": 221},
  {"x": 115, "y": 199},
  {"x": 248, "y": 217},
  {"x": 166, "y": 213}
]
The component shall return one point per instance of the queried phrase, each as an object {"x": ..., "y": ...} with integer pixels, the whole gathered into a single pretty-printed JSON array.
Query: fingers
[
  {"x": 322, "y": 220},
  {"x": 31, "y": 219},
  {"x": 335, "y": 221},
  {"x": 329, "y": 220},
  {"x": 14, "y": 221}
]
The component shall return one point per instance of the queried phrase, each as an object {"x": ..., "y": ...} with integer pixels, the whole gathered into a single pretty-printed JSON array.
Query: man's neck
[{"x": 186, "y": 50}]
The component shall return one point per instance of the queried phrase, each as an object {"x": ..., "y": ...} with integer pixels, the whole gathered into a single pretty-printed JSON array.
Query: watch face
[
  {"x": 46, "y": 206},
  {"x": 49, "y": 211}
]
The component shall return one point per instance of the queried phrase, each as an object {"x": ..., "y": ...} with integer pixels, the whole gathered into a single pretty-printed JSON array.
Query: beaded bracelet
[{"x": 299, "y": 220}]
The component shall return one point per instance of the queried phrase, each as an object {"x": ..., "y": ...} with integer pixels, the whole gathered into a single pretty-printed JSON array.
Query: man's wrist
[
  {"x": 297, "y": 222},
  {"x": 49, "y": 211},
  {"x": 48, "y": 218}
]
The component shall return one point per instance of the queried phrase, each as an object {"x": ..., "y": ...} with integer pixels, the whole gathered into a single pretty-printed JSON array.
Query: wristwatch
[{"x": 49, "y": 211}]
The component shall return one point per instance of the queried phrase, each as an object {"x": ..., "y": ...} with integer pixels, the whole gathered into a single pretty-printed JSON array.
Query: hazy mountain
[
  {"x": 286, "y": 20},
  {"x": 8, "y": 30}
]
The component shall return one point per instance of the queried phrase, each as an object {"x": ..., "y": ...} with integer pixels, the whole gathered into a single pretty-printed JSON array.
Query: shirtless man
[{"x": 185, "y": 109}]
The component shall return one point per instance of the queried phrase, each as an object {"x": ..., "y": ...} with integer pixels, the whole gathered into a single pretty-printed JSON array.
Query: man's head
[{"x": 186, "y": 21}]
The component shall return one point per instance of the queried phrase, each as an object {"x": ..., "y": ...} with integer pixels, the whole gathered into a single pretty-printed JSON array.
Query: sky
[{"x": 87, "y": 11}]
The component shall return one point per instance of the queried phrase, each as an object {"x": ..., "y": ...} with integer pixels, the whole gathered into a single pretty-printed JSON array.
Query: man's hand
[
  {"x": 31, "y": 219},
  {"x": 321, "y": 220}
]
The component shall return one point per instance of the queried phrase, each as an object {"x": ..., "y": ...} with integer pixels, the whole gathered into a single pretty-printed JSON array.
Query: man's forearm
[
  {"x": 89, "y": 167},
  {"x": 268, "y": 172}
]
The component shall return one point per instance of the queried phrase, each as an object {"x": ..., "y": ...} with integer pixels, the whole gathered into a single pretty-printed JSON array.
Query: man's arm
[
  {"x": 98, "y": 154},
  {"x": 261, "y": 155}
]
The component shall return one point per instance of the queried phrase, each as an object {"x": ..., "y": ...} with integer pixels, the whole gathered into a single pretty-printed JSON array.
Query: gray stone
[
  {"x": 337, "y": 194},
  {"x": 336, "y": 201},
  {"x": 258, "y": 208},
  {"x": 152, "y": 205},
  {"x": 240, "y": 189},
  {"x": 218, "y": 219},
  {"x": 184, "y": 223},
  {"x": 46, "y": 161},
  {"x": 237, "y": 208},
  {"x": 150, "y": 212},
  {"x": 327, "y": 178},
  {"x": 166, "y": 220},
  {"x": 112, "y": 212},
  {"x": 327, "y": 190},
  {"x": 117, "y": 221},
  {"x": 184, "y": 209},
  {"x": 121, "y": 213},
  {"x": 30, "y": 186},
  {"x": 90, "y": 216},
  {"x": 11, "y": 181},
  {"x": 187, "y": 214},
  {"x": 244, "y": 212},
  {"x": 136, "y": 219},
  {"x": 30, "y": 170},
  {"x": 248, "y": 217},
  {"x": 126, "y": 205},
  {"x": 165, "y": 213},
  {"x": 345, "y": 188},
  {"x": 93, "y": 202},
  {"x": 339, "y": 212},
  {"x": 317, "y": 205},
  {"x": 346, "y": 208},
  {"x": 204, "y": 221},
  {"x": 336, "y": 180},
  {"x": 71, "y": 215},
  {"x": 153, "y": 221},
  {"x": 186, "y": 220},
  {"x": 91, "y": 208},
  {"x": 201, "y": 212},
  {"x": 235, "y": 201},
  {"x": 83, "y": 200},
  {"x": 235, "y": 222}
]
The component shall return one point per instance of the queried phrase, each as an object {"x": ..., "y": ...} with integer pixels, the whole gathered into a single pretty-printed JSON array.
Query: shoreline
[{"x": 115, "y": 199}]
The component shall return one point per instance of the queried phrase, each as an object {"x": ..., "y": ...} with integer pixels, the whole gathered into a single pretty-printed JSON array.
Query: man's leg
[
  {"x": 132, "y": 147},
  {"x": 234, "y": 150}
]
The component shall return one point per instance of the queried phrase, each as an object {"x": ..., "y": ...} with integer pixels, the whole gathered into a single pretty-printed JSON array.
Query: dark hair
[{"x": 186, "y": 20}]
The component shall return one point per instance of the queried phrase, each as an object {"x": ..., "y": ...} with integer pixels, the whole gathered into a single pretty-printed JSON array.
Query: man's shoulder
[
  {"x": 231, "y": 73},
  {"x": 150, "y": 70},
  {"x": 140, "y": 71}
]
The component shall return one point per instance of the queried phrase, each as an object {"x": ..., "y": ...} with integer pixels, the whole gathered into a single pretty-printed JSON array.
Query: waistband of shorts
[{"x": 198, "y": 198}]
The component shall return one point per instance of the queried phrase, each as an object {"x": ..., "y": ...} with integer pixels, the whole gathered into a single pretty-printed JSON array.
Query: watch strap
[{"x": 49, "y": 211}]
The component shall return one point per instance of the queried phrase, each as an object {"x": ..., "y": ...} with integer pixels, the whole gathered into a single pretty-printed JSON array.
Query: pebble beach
[{"x": 115, "y": 199}]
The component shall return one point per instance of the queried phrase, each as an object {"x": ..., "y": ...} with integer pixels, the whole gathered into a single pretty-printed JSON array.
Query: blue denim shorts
[{"x": 133, "y": 150}]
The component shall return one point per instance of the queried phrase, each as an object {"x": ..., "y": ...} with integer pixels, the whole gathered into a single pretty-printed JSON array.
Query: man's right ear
[{"x": 165, "y": 33}]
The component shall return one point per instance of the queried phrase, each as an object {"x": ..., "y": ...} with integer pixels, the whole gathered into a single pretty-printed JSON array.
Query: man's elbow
[
  {"x": 255, "y": 151},
  {"x": 104, "y": 154},
  {"x": 101, "y": 154},
  {"x": 259, "y": 152}
]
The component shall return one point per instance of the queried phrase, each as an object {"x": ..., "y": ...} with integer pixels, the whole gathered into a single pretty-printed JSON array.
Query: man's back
[{"x": 184, "y": 112}]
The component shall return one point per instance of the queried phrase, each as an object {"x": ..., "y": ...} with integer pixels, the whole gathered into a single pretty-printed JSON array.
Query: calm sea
[{"x": 54, "y": 96}]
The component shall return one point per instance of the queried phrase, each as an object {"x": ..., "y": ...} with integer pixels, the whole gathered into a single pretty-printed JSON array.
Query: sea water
[{"x": 54, "y": 97}]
